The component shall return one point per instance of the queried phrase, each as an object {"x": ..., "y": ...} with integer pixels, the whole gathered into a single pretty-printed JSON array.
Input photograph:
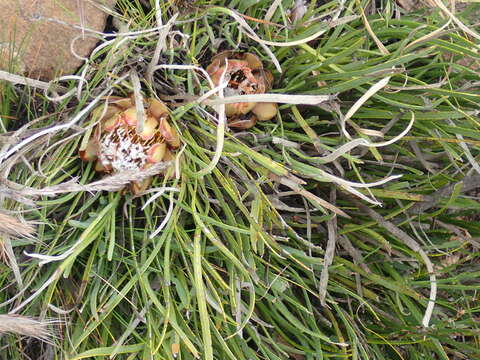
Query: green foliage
[{"x": 235, "y": 272}]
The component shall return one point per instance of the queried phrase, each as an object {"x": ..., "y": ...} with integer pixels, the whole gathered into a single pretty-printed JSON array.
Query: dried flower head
[
  {"x": 26, "y": 326},
  {"x": 245, "y": 75},
  {"x": 117, "y": 146},
  {"x": 13, "y": 226}
]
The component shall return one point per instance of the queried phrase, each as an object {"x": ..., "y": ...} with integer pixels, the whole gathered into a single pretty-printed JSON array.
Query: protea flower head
[
  {"x": 116, "y": 145},
  {"x": 245, "y": 75}
]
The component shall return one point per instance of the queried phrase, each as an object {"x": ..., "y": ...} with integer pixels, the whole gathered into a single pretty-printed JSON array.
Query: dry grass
[
  {"x": 26, "y": 326},
  {"x": 13, "y": 226}
]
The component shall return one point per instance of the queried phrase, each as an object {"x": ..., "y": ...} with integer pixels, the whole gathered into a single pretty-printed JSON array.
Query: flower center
[
  {"x": 122, "y": 149},
  {"x": 236, "y": 78}
]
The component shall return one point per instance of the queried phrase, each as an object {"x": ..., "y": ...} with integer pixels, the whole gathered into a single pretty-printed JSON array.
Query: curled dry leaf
[
  {"x": 245, "y": 74},
  {"x": 116, "y": 146}
]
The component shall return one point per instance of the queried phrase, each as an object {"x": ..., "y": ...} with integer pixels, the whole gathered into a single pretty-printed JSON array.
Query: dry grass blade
[
  {"x": 380, "y": 46},
  {"x": 271, "y": 10},
  {"x": 329, "y": 252},
  {"x": 299, "y": 190},
  {"x": 162, "y": 35},
  {"x": 8, "y": 256},
  {"x": 137, "y": 87},
  {"x": 358, "y": 104},
  {"x": 452, "y": 17},
  {"x": 433, "y": 35},
  {"x": 110, "y": 183},
  {"x": 17, "y": 79},
  {"x": 278, "y": 98},
  {"x": 251, "y": 34}
]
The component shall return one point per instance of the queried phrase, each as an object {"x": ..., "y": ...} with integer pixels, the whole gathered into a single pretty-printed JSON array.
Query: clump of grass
[{"x": 254, "y": 258}]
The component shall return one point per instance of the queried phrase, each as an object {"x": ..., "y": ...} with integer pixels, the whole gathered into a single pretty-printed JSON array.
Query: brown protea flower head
[
  {"x": 116, "y": 145},
  {"x": 245, "y": 75}
]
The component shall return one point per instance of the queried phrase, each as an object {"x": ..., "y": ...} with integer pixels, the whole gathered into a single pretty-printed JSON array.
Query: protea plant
[
  {"x": 245, "y": 75},
  {"x": 116, "y": 144}
]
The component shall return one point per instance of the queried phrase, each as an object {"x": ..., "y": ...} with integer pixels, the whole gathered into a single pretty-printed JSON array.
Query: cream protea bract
[
  {"x": 116, "y": 144},
  {"x": 245, "y": 75}
]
